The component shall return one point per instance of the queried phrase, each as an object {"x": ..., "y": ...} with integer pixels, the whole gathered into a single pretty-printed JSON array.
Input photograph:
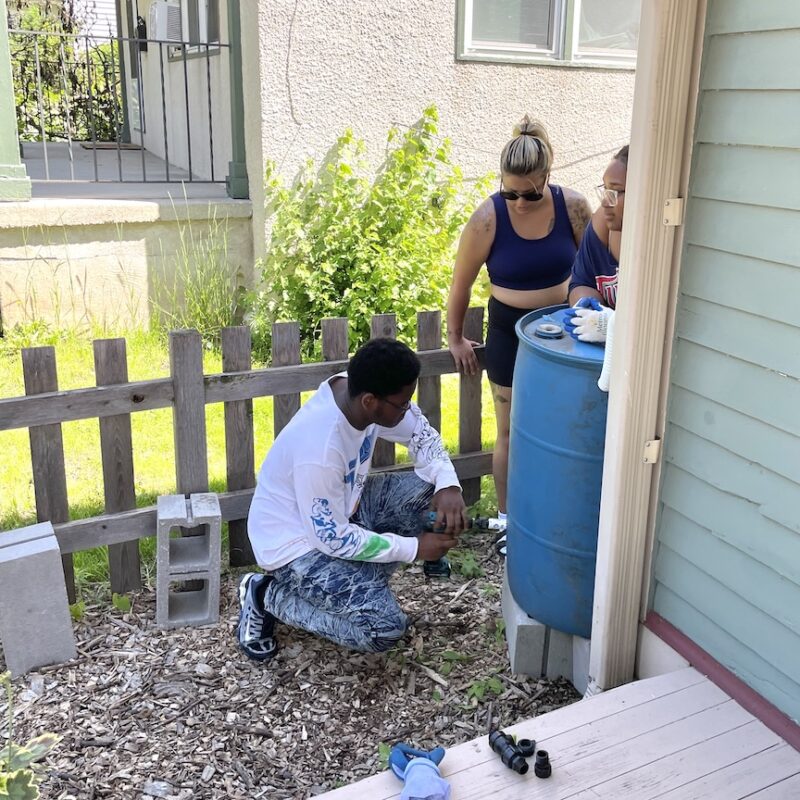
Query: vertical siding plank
[
  {"x": 239, "y": 440},
  {"x": 47, "y": 451},
  {"x": 385, "y": 326},
  {"x": 285, "y": 353},
  {"x": 469, "y": 407},
  {"x": 189, "y": 411},
  {"x": 116, "y": 448},
  {"x": 429, "y": 391}
]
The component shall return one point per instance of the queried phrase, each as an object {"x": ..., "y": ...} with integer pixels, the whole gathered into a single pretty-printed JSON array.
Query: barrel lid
[{"x": 543, "y": 330}]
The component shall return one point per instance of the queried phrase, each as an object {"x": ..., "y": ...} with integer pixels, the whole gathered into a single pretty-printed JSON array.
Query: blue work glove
[
  {"x": 569, "y": 317},
  {"x": 423, "y": 781},
  {"x": 419, "y": 771},
  {"x": 401, "y": 755},
  {"x": 589, "y": 322}
]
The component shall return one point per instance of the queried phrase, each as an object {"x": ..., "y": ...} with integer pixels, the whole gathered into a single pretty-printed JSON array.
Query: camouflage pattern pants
[{"x": 350, "y": 602}]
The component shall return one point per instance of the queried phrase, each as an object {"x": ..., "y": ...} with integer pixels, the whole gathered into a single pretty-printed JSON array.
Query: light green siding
[{"x": 727, "y": 560}]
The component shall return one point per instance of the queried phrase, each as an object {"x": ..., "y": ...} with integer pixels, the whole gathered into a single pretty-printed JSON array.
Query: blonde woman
[{"x": 527, "y": 234}]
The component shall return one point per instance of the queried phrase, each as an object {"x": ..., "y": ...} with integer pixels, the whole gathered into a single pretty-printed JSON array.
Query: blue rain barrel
[{"x": 558, "y": 425}]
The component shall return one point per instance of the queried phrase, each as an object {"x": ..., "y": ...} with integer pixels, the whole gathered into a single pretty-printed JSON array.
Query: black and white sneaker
[
  {"x": 500, "y": 545},
  {"x": 254, "y": 632}
]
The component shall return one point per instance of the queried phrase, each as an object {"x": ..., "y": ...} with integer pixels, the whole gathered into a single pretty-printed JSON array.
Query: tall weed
[{"x": 199, "y": 288}]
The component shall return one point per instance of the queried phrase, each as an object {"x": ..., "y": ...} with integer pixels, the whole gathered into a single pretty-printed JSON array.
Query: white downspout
[{"x": 662, "y": 105}]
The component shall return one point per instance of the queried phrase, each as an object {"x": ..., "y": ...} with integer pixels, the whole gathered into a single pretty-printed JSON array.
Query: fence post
[
  {"x": 189, "y": 419},
  {"x": 116, "y": 448},
  {"x": 429, "y": 390},
  {"x": 469, "y": 406},
  {"x": 239, "y": 442},
  {"x": 335, "y": 343},
  {"x": 47, "y": 451},
  {"x": 188, "y": 411},
  {"x": 285, "y": 353},
  {"x": 384, "y": 325}
]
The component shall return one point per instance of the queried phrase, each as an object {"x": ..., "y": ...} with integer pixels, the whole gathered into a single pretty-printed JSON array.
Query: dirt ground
[{"x": 146, "y": 713}]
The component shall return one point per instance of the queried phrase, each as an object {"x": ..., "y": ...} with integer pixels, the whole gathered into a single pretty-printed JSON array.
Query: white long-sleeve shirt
[{"x": 311, "y": 481}]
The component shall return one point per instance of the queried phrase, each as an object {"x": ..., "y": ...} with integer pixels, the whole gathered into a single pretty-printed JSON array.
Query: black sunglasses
[{"x": 532, "y": 196}]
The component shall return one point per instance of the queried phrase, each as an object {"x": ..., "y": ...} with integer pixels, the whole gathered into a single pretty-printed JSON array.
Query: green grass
[{"x": 153, "y": 450}]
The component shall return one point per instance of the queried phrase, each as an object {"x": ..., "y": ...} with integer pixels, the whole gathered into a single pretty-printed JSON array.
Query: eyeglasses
[
  {"x": 404, "y": 407},
  {"x": 608, "y": 197},
  {"x": 533, "y": 196}
]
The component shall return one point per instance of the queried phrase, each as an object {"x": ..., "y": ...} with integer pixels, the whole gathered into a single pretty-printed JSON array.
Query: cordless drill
[
  {"x": 441, "y": 567},
  {"x": 473, "y": 523}
]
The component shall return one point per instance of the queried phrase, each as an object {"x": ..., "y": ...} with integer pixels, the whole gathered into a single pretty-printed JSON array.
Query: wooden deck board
[
  {"x": 673, "y": 736},
  {"x": 787, "y": 789},
  {"x": 740, "y": 778},
  {"x": 677, "y": 770}
]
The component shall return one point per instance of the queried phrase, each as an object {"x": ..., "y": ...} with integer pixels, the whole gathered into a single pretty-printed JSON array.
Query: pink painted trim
[{"x": 734, "y": 687}]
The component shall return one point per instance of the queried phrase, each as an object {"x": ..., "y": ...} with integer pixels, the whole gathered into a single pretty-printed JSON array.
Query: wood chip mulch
[{"x": 183, "y": 715}]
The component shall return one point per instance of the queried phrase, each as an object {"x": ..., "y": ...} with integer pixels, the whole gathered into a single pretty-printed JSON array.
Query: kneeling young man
[{"x": 330, "y": 534}]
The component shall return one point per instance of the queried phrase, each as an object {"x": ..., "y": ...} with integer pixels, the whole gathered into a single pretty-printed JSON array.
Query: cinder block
[
  {"x": 580, "y": 663},
  {"x": 188, "y": 558},
  {"x": 35, "y": 624},
  {"x": 526, "y": 637},
  {"x": 28, "y": 534},
  {"x": 558, "y": 659}
]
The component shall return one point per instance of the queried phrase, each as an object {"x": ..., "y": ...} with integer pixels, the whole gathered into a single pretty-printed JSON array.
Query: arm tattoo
[{"x": 579, "y": 216}]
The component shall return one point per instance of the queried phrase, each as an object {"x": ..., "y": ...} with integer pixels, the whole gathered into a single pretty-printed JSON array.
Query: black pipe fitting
[
  {"x": 509, "y": 753},
  {"x": 541, "y": 767},
  {"x": 526, "y": 747}
]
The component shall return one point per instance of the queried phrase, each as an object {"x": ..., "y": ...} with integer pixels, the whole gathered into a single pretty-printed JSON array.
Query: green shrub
[{"x": 349, "y": 244}]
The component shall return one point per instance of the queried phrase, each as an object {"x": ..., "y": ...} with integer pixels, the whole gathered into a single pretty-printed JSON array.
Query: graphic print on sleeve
[
  {"x": 327, "y": 532},
  {"x": 426, "y": 444},
  {"x": 325, "y": 526}
]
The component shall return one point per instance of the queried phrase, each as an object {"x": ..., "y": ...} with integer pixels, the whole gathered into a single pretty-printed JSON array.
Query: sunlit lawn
[{"x": 153, "y": 449}]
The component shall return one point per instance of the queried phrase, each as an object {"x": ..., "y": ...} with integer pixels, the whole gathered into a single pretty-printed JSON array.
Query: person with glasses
[
  {"x": 329, "y": 533},
  {"x": 527, "y": 235},
  {"x": 593, "y": 286}
]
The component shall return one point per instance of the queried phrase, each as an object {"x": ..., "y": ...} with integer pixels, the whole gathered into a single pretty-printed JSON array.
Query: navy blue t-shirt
[{"x": 596, "y": 268}]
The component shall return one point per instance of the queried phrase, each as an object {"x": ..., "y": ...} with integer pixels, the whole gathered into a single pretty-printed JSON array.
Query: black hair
[
  {"x": 381, "y": 367},
  {"x": 622, "y": 155}
]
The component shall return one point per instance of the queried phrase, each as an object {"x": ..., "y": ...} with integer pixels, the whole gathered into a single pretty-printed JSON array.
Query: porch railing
[
  {"x": 120, "y": 109},
  {"x": 187, "y": 391}
]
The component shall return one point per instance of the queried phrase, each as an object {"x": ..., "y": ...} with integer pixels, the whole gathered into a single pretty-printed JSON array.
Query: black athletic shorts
[{"x": 501, "y": 341}]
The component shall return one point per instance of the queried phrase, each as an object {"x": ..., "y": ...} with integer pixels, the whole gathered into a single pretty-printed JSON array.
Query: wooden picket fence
[{"x": 187, "y": 391}]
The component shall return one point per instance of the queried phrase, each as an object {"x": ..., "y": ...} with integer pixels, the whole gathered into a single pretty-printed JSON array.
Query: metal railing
[{"x": 157, "y": 117}]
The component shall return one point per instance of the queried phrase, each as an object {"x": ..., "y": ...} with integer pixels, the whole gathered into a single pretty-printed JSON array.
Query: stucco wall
[
  {"x": 106, "y": 263},
  {"x": 324, "y": 67}
]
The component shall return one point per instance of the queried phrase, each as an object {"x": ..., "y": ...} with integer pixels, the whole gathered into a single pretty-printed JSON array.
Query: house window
[
  {"x": 200, "y": 20},
  {"x": 576, "y": 32}
]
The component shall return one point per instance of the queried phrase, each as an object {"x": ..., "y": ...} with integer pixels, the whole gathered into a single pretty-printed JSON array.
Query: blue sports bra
[{"x": 524, "y": 264}]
